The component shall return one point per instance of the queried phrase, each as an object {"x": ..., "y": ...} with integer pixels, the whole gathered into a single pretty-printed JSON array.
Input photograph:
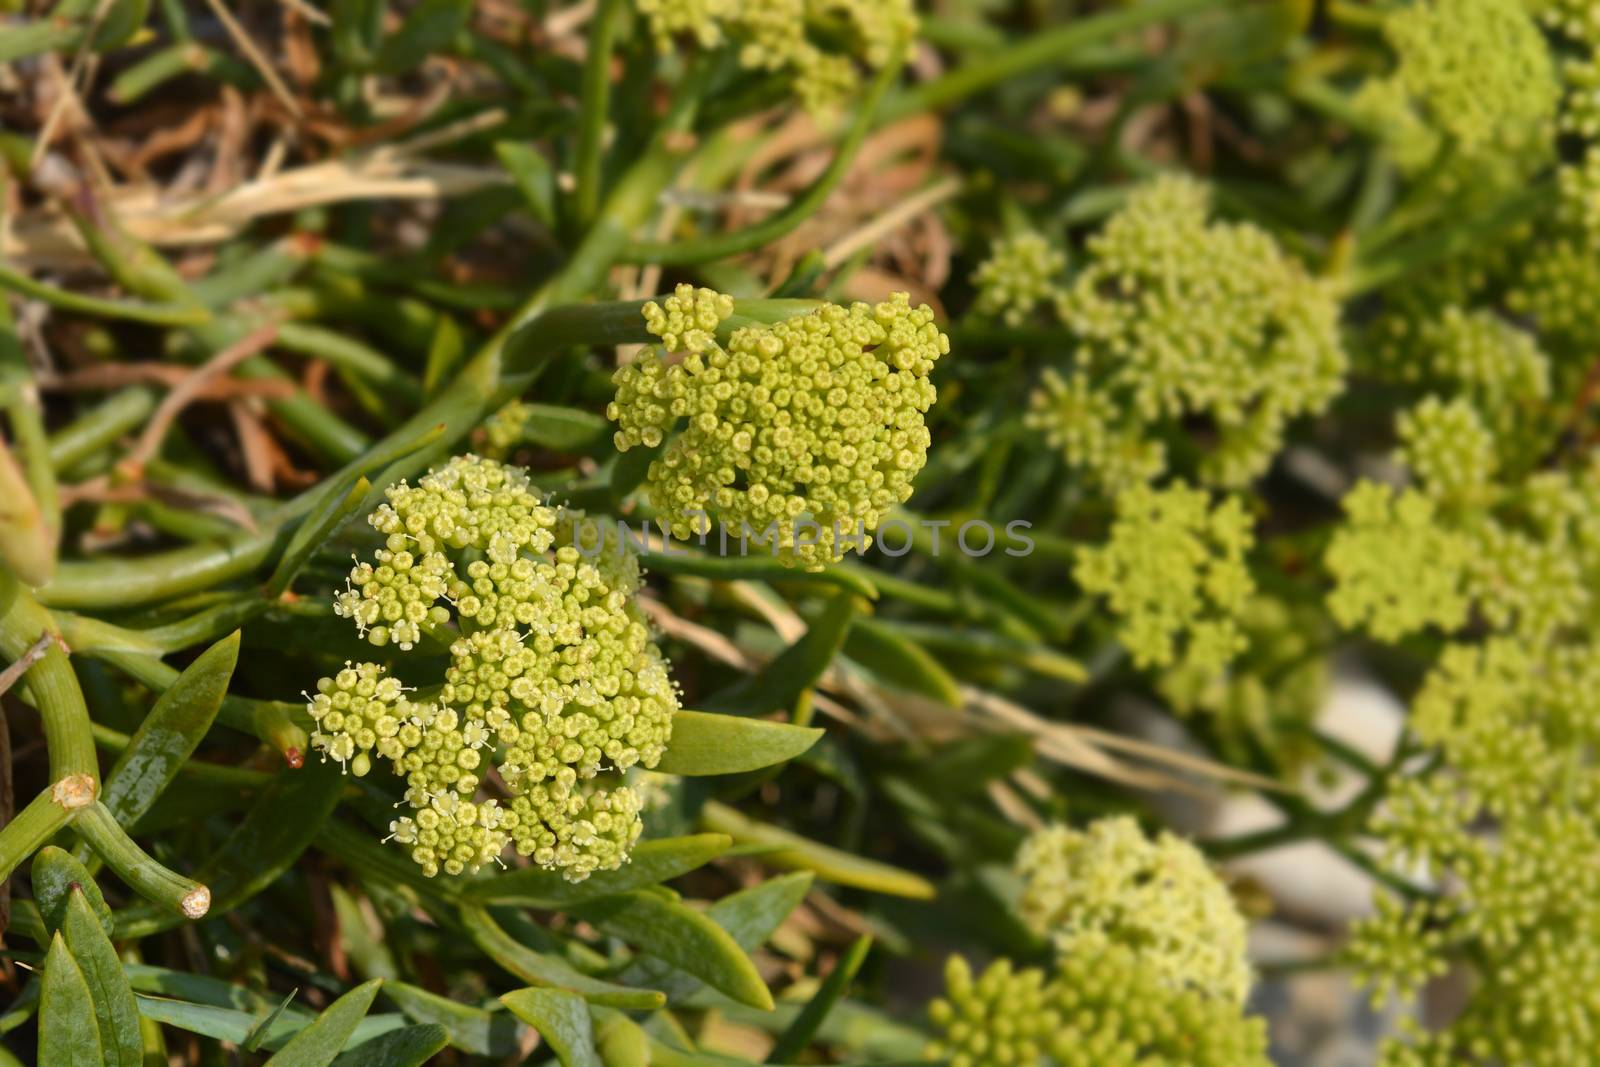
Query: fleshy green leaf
[
  {"x": 533, "y": 177},
  {"x": 662, "y": 927},
  {"x": 793, "y": 851},
  {"x": 562, "y": 1019},
  {"x": 545, "y": 970},
  {"x": 319, "y": 1044},
  {"x": 233, "y": 1025},
  {"x": 749, "y": 916},
  {"x": 170, "y": 732},
  {"x": 116, "y": 1015},
  {"x": 703, "y": 743},
  {"x": 55, "y": 872},
  {"x": 68, "y": 1033},
  {"x": 650, "y": 863},
  {"x": 754, "y": 568},
  {"x": 410, "y": 1046},
  {"x": 563, "y": 429},
  {"x": 324, "y": 521}
]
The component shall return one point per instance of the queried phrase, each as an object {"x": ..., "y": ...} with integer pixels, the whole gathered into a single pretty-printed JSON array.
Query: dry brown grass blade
[
  {"x": 14, "y": 672},
  {"x": 1155, "y": 753},
  {"x": 187, "y": 391},
  {"x": 257, "y": 58},
  {"x": 118, "y": 375},
  {"x": 1086, "y": 747},
  {"x": 42, "y": 237},
  {"x": 105, "y": 490},
  {"x": 255, "y": 444},
  {"x": 840, "y": 251}
]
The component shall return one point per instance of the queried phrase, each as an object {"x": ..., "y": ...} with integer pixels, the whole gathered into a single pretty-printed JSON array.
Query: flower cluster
[
  {"x": 1110, "y": 884},
  {"x": 1478, "y": 71},
  {"x": 1179, "y": 319},
  {"x": 1505, "y": 824},
  {"x": 1100, "y": 1008},
  {"x": 1174, "y": 568},
  {"x": 1481, "y": 358},
  {"x": 1396, "y": 568},
  {"x": 551, "y": 670},
  {"x": 816, "y": 43},
  {"x": 1448, "y": 447},
  {"x": 802, "y": 435},
  {"x": 1022, "y": 272}
]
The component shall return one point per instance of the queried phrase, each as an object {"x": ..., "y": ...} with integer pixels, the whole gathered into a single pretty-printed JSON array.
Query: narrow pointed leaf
[
  {"x": 116, "y": 1015},
  {"x": 799, "y": 1033},
  {"x": 280, "y": 824},
  {"x": 650, "y": 863},
  {"x": 319, "y": 1044},
  {"x": 68, "y": 1033},
  {"x": 902, "y": 662},
  {"x": 321, "y": 524},
  {"x": 562, "y": 1019},
  {"x": 258, "y": 1033},
  {"x": 668, "y": 930},
  {"x": 170, "y": 733},
  {"x": 233, "y": 1025},
  {"x": 703, "y": 743}
]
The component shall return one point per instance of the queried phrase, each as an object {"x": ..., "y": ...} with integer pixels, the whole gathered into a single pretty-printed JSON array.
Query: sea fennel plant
[{"x": 780, "y": 508}]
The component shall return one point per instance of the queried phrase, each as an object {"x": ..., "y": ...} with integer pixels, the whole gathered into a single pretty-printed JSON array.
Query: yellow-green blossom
[
  {"x": 1175, "y": 318},
  {"x": 1173, "y": 570},
  {"x": 818, "y": 44},
  {"x": 1111, "y": 885},
  {"x": 1100, "y": 1008},
  {"x": 552, "y": 676},
  {"x": 801, "y": 435},
  {"x": 1396, "y": 568},
  {"x": 1021, "y": 273}
]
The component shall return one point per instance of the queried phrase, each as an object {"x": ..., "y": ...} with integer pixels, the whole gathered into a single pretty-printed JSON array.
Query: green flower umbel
[
  {"x": 1178, "y": 318},
  {"x": 551, "y": 671},
  {"x": 1174, "y": 572},
  {"x": 1111, "y": 885},
  {"x": 803, "y": 434},
  {"x": 1102, "y": 1007}
]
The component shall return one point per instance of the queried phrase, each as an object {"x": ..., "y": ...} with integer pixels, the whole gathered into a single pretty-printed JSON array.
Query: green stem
[
  {"x": 596, "y": 109},
  {"x": 135, "y": 867},
  {"x": 1050, "y": 48},
  {"x": 41, "y": 820},
  {"x": 341, "y": 353},
  {"x": 720, "y": 246},
  {"x": 54, "y": 687},
  {"x": 100, "y": 427},
  {"x": 153, "y": 314}
]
